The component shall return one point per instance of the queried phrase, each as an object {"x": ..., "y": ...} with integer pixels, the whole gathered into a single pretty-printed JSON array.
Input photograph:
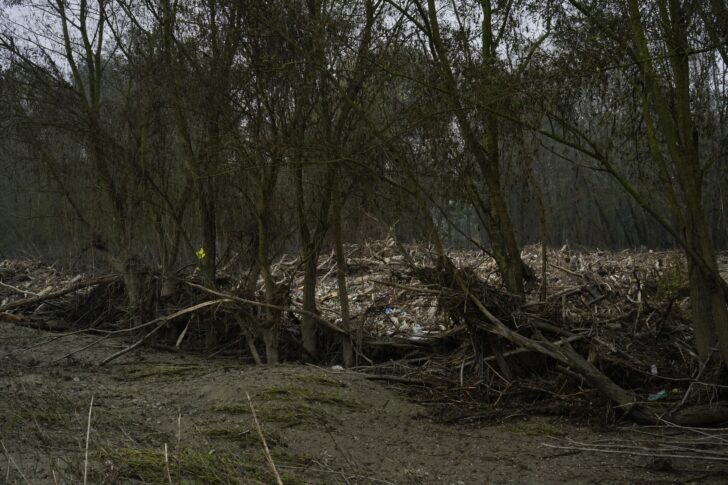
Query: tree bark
[
  {"x": 309, "y": 333},
  {"x": 270, "y": 321},
  {"x": 346, "y": 342},
  {"x": 671, "y": 101}
]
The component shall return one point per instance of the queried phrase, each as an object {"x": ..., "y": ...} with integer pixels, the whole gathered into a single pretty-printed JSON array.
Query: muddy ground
[{"x": 322, "y": 426}]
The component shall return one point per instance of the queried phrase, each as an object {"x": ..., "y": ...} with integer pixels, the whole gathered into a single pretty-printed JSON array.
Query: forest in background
[
  {"x": 146, "y": 136},
  {"x": 202, "y": 106}
]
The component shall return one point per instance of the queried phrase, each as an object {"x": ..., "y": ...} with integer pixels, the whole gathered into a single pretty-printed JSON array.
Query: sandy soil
[{"x": 322, "y": 426}]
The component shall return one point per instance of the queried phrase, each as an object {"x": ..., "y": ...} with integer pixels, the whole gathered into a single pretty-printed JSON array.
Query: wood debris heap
[{"x": 600, "y": 321}]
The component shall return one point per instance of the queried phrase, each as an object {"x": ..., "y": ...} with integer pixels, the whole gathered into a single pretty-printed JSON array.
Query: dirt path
[{"x": 322, "y": 426}]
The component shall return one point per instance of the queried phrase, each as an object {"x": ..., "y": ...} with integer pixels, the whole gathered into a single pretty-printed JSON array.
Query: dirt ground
[{"x": 321, "y": 425}]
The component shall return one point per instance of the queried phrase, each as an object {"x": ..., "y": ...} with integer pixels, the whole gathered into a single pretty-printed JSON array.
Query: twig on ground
[
  {"x": 88, "y": 435},
  {"x": 163, "y": 321},
  {"x": 415, "y": 289},
  {"x": 92, "y": 344},
  {"x": 268, "y": 456},
  {"x": 573, "y": 273},
  {"x": 403, "y": 380},
  {"x": 132, "y": 346},
  {"x": 179, "y": 443},
  {"x": 166, "y": 464},
  {"x": 598, "y": 449},
  {"x": 10, "y": 459},
  {"x": 18, "y": 290}
]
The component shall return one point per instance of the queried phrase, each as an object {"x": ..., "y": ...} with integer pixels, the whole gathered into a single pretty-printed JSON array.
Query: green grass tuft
[
  {"x": 159, "y": 372},
  {"x": 188, "y": 466}
]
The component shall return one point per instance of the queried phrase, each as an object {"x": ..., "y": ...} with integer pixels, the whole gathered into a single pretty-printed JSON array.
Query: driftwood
[
  {"x": 331, "y": 326},
  {"x": 621, "y": 311},
  {"x": 626, "y": 401},
  {"x": 397, "y": 379},
  {"x": 101, "y": 280},
  {"x": 391, "y": 343},
  {"x": 701, "y": 415},
  {"x": 161, "y": 322},
  {"x": 17, "y": 290},
  {"x": 658, "y": 443}
]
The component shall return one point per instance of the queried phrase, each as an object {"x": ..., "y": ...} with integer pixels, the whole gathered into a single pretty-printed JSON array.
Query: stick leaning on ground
[
  {"x": 162, "y": 321},
  {"x": 268, "y": 456}
]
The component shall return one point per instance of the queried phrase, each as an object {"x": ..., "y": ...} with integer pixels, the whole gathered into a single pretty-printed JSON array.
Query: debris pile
[{"x": 623, "y": 314}]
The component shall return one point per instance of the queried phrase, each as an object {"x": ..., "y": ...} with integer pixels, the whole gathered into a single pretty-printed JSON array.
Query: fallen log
[{"x": 700, "y": 415}]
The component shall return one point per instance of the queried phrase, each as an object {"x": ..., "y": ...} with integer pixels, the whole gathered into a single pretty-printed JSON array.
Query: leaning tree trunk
[{"x": 486, "y": 153}]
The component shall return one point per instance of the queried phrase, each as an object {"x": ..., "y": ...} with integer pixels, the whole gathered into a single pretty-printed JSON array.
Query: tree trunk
[
  {"x": 209, "y": 231},
  {"x": 309, "y": 334},
  {"x": 271, "y": 338},
  {"x": 169, "y": 254},
  {"x": 270, "y": 323},
  {"x": 136, "y": 282},
  {"x": 671, "y": 102},
  {"x": 346, "y": 343},
  {"x": 486, "y": 153},
  {"x": 707, "y": 297},
  {"x": 503, "y": 242}
]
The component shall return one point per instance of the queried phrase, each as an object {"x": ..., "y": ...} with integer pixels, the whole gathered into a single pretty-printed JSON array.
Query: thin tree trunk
[
  {"x": 270, "y": 323},
  {"x": 346, "y": 343},
  {"x": 309, "y": 334},
  {"x": 209, "y": 231},
  {"x": 486, "y": 154}
]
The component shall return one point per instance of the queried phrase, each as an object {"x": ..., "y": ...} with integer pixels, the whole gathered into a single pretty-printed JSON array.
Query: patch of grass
[
  {"x": 321, "y": 380},
  {"x": 285, "y": 414},
  {"x": 308, "y": 395},
  {"x": 190, "y": 465},
  {"x": 163, "y": 372},
  {"x": 246, "y": 437},
  {"x": 45, "y": 406},
  {"x": 45, "y": 415},
  {"x": 293, "y": 406},
  {"x": 233, "y": 408}
]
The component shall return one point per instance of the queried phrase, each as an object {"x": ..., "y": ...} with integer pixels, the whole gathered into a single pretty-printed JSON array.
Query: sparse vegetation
[
  {"x": 303, "y": 395},
  {"x": 155, "y": 372},
  {"x": 215, "y": 467},
  {"x": 295, "y": 406},
  {"x": 322, "y": 380}
]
